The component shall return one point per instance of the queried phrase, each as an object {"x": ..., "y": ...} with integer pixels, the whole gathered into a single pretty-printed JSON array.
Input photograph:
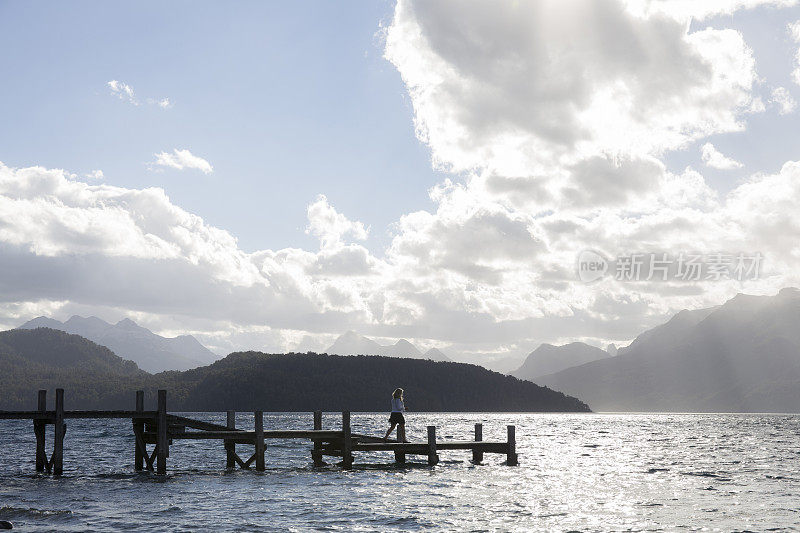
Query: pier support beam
[
  {"x": 162, "y": 436},
  {"x": 433, "y": 459},
  {"x": 399, "y": 457},
  {"x": 347, "y": 443},
  {"x": 477, "y": 456},
  {"x": 138, "y": 430},
  {"x": 58, "y": 438},
  {"x": 511, "y": 456},
  {"x": 316, "y": 453},
  {"x": 259, "y": 423},
  {"x": 39, "y": 430},
  {"x": 230, "y": 446}
]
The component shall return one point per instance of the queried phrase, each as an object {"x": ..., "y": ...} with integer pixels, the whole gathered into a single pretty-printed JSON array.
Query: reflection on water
[{"x": 584, "y": 472}]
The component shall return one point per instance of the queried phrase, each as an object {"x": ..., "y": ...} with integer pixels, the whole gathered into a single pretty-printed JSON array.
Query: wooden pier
[{"x": 161, "y": 429}]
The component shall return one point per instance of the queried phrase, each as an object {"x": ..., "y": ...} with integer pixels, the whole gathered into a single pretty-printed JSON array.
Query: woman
[{"x": 397, "y": 418}]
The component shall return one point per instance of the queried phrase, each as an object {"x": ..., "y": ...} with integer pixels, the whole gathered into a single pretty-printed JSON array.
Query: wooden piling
[
  {"x": 58, "y": 438},
  {"x": 230, "y": 446},
  {"x": 477, "y": 455},
  {"x": 259, "y": 423},
  {"x": 39, "y": 430},
  {"x": 433, "y": 459},
  {"x": 162, "y": 443},
  {"x": 511, "y": 456},
  {"x": 399, "y": 457},
  {"x": 347, "y": 444},
  {"x": 316, "y": 453},
  {"x": 138, "y": 429}
]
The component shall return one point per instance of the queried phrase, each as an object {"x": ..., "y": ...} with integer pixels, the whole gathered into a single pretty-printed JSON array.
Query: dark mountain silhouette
[
  {"x": 247, "y": 380},
  {"x": 95, "y": 378},
  {"x": 47, "y": 358},
  {"x": 151, "y": 352},
  {"x": 351, "y": 343},
  {"x": 741, "y": 356},
  {"x": 548, "y": 359}
]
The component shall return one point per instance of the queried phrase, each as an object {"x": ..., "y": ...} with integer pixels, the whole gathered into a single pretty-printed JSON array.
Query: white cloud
[
  {"x": 701, "y": 10},
  {"x": 329, "y": 226},
  {"x": 163, "y": 103},
  {"x": 475, "y": 273},
  {"x": 794, "y": 32},
  {"x": 182, "y": 159},
  {"x": 715, "y": 159},
  {"x": 95, "y": 175},
  {"x": 123, "y": 91},
  {"x": 557, "y": 86},
  {"x": 784, "y": 100}
]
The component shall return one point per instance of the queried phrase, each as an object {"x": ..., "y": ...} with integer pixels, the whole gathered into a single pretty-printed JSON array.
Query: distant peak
[
  {"x": 92, "y": 319},
  {"x": 41, "y": 322},
  {"x": 403, "y": 342},
  {"x": 127, "y": 322}
]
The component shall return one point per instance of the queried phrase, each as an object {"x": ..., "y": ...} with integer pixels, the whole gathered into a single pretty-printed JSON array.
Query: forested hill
[
  {"x": 94, "y": 378},
  {"x": 45, "y": 358},
  {"x": 308, "y": 382}
]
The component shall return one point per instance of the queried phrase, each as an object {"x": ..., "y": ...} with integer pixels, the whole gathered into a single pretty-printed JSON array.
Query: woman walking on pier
[{"x": 397, "y": 418}]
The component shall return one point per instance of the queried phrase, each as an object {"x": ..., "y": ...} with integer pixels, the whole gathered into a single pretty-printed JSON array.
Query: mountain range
[
  {"x": 548, "y": 359},
  {"x": 742, "y": 356},
  {"x": 151, "y": 352},
  {"x": 351, "y": 343},
  {"x": 95, "y": 378}
]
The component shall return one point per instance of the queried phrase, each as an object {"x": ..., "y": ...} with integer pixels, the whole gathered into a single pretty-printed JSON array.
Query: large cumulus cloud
[{"x": 553, "y": 116}]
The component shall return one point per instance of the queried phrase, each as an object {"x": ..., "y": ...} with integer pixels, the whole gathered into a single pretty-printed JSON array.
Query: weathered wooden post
[
  {"x": 58, "y": 438},
  {"x": 347, "y": 443},
  {"x": 432, "y": 457},
  {"x": 259, "y": 422},
  {"x": 399, "y": 457},
  {"x": 511, "y": 457},
  {"x": 39, "y": 430},
  {"x": 477, "y": 455},
  {"x": 230, "y": 446},
  {"x": 138, "y": 429},
  {"x": 316, "y": 453},
  {"x": 162, "y": 442}
]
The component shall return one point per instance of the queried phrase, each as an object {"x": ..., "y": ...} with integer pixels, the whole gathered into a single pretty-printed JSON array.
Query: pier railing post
[
  {"x": 347, "y": 443},
  {"x": 58, "y": 438},
  {"x": 138, "y": 430},
  {"x": 477, "y": 455},
  {"x": 162, "y": 443},
  {"x": 316, "y": 453},
  {"x": 39, "y": 430},
  {"x": 432, "y": 457},
  {"x": 400, "y": 457},
  {"x": 511, "y": 456},
  {"x": 259, "y": 423},
  {"x": 230, "y": 446}
]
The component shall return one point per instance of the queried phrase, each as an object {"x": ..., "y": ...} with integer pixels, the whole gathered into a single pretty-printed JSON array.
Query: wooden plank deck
[{"x": 51, "y": 415}]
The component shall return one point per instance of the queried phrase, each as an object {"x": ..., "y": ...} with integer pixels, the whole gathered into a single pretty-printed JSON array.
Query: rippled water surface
[{"x": 577, "y": 472}]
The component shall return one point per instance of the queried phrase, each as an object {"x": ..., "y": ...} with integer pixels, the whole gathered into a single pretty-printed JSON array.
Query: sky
[{"x": 270, "y": 175}]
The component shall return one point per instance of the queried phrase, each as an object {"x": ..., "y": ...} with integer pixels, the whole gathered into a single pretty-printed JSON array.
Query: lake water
[{"x": 592, "y": 472}]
